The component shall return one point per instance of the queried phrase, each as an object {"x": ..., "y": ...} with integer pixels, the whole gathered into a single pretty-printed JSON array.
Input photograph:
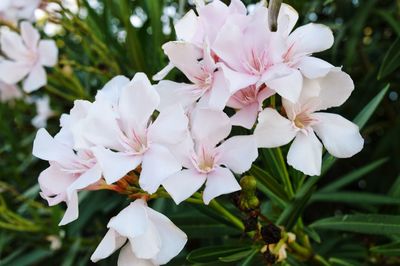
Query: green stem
[
  {"x": 228, "y": 215},
  {"x": 285, "y": 177}
]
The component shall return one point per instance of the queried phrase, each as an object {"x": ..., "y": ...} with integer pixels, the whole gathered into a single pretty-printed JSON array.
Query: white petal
[
  {"x": 172, "y": 238},
  {"x": 172, "y": 93},
  {"x": 127, "y": 258},
  {"x": 220, "y": 181},
  {"x": 110, "y": 243},
  {"x": 287, "y": 18},
  {"x": 170, "y": 127},
  {"x": 115, "y": 165},
  {"x": 131, "y": 221},
  {"x": 237, "y": 80},
  {"x": 30, "y": 35},
  {"x": 47, "y": 148},
  {"x": 311, "y": 38},
  {"x": 305, "y": 154},
  {"x": 112, "y": 90},
  {"x": 185, "y": 57},
  {"x": 183, "y": 184},
  {"x": 273, "y": 130},
  {"x": 246, "y": 117},
  {"x": 335, "y": 89},
  {"x": 163, "y": 72},
  {"x": 219, "y": 93},
  {"x": 186, "y": 27},
  {"x": 312, "y": 67},
  {"x": 36, "y": 79},
  {"x": 158, "y": 163},
  {"x": 148, "y": 244},
  {"x": 138, "y": 101},
  {"x": 218, "y": 126},
  {"x": 238, "y": 153},
  {"x": 13, "y": 46},
  {"x": 341, "y": 137},
  {"x": 48, "y": 53},
  {"x": 13, "y": 72},
  {"x": 287, "y": 82}
]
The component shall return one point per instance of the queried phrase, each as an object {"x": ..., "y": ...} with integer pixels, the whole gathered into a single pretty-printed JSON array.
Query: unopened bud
[{"x": 248, "y": 183}]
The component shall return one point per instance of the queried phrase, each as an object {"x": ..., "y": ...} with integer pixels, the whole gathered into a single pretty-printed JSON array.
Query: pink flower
[
  {"x": 248, "y": 103},
  {"x": 148, "y": 238},
  {"x": 27, "y": 56},
  {"x": 340, "y": 137},
  {"x": 68, "y": 173},
  {"x": 210, "y": 163},
  {"x": 43, "y": 110},
  {"x": 273, "y": 58},
  {"x": 120, "y": 132}
]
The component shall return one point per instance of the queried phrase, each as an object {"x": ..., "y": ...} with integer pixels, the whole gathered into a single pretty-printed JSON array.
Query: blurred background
[{"x": 99, "y": 39}]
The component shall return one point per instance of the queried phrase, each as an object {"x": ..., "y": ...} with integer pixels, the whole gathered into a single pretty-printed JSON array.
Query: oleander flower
[
  {"x": 340, "y": 137},
  {"x": 70, "y": 171},
  {"x": 15, "y": 10},
  {"x": 210, "y": 163},
  {"x": 273, "y": 58},
  {"x": 27, "y": 56},
  {"x": 148, "y": 238},
  {"x": 9, "y": 92},
  {"x": 248, "y": 103},
  {"x": 121, "y": 134}
]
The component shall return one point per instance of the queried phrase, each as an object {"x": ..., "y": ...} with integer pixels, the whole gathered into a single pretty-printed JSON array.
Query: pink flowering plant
[{"x": 200, "y": 139}]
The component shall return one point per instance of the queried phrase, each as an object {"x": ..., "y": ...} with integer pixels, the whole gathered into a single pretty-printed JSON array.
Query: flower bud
[
  {"x": 248, "y": 183},
  {"x": 250, "y": 223}
]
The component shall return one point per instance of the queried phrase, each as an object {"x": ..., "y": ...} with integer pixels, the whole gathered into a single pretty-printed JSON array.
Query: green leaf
[
  {"x": 375, "y": 224},
  {"x": 249, "y": 260},
  {"x": 360, "y": 120},
  {"x": 341, "y": 262},
  {"x": 391, "y": 60},
  {"x": 313, "y": 234},
  {"x": 353, "y": 176},
  {"x": 269, "y": 186},
  {"x": 392, "y": 249},
  {"x": 31, "y": 258},
  {"x": 213, "y": 253},
  {"x": 355, "y": 198},
  {"x": 395, "y": 189},
  {"x": 236, "y": 256}
]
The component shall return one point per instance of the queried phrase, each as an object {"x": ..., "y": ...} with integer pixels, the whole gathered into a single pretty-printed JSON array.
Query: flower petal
[
  {"x": 273, "y": 130},
  {"x": 287, "y": 18},
  {"x": 219, "y": 93},
  {"x": 12, "y": 45},
  {"x": 246, "y": 117},
  {"x": 170, "y": 127},
  {"x": 48, "y": 53},
  {"x": 310, "y": 38},
  {"x": 305, "y": 154},
  {"x": 36, "y": 79},
  {"x": 172, "y": 93},
  {"x": 341, "y": 137},
  {"x": 312, "y": 67},
  {"x": 237, "y": 80},
  {"x": 218, "y": 126},
  {"x": 183, "y": 184},
  {"x": 220, "y": 181},
  {"x": 186, "y": 27},
  {"x": 115, "y": 165},
  {"x": 138, "y": 101},
  {"x": 127, "y": 258},
  {"x": 13, "y": 72},
  {"x": 148, "y": 244},
  {"x": 172, "y": 238},
  {"x": 110, "y": 243},
  {"x": 158, "y": 163},
  {"x": 30, "y": 35},
  {"x": 238, "y": 153}
]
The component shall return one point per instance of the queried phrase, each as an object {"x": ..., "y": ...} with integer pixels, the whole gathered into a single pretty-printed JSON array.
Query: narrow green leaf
[
  {"x": 213, "y": 253},
  {"x": 355, "y": 198},
  {"x": 353, "y": 176},
  {"x": 391, "y": 60},
  {"x": 395, "y": 189},
  {"x": 392, "y": 249},
  {"x": 249, "y": 260},
  {"x": 375, "y": 224},
  {"x": 313, "y": 234},
  {"x": 341, "y": 262},
  {"x": 269, "y": 186},
  {"x": 237, "y": 256}
]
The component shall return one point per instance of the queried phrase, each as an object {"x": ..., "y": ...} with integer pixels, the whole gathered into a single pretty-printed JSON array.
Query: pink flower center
[
  {"x": 304, "y": 121},
  {"x": 205, "y": 160},
  {"x": 257, "y": 64}
]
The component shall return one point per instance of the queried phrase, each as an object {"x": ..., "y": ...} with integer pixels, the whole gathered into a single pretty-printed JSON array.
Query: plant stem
[
  {"x": 228, "y": 215},
  {"x": 285, "y": 177}
]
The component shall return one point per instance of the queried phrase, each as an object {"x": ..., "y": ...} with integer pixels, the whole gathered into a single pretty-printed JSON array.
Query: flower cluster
[{"x": 178, "y": 137}]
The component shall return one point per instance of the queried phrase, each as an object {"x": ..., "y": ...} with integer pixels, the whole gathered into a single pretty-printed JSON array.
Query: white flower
[
  {"x": 43, "y": 110},
  {"x": 27, "y": 56},
  {"x": 120, "y": 128},
  {"x": 150, "y": 238},
  {"x": 340, "y": 137},
  {"x": 70, "y": 170},
  {"x": 205, "y": 162},
  {"x": 14, "y": 10}
]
